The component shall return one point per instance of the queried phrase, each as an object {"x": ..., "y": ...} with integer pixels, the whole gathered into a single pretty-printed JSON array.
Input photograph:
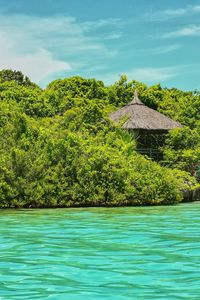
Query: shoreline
[{"x": 98, "y": 206}]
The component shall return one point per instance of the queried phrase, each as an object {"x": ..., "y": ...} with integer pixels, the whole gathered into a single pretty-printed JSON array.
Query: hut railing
[{"x": 153, "y": 153}]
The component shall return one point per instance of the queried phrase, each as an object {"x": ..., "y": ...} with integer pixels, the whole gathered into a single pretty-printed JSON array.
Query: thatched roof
[{"x": 139, "y": 116}]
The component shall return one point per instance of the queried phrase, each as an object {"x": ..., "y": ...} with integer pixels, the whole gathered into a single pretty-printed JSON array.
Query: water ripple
[{"x": 98, "y": 253}]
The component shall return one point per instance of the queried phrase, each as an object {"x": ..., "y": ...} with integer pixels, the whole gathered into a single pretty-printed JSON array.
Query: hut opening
[{"x": 148, "y": 126}]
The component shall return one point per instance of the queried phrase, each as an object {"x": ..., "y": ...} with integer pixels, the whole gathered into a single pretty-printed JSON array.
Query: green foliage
[
  {"x": 16, "y": 76},
  {"x": 58, "y": 147},
  {"x": 182, "y": 149},
  {"x": 181, "y": 106},
  {"x": 78, "y": 87}
]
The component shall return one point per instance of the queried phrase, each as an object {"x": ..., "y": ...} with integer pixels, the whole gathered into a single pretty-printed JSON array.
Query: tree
[{"x": 17, "y": 76}]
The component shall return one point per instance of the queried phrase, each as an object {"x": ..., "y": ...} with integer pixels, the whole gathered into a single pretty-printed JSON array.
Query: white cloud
[
  {"x": 166, "y": 14},
  {"x": 175, "y": 12},
  {"x": 43, "y": 46},
  {"x": 151, "y": 75},
  {"x": 111, "y": 22},
  {"x": 37, "y": 66},
  {"x": 196, "y": 8},
  {"x": 160, "y": 50},
  {"x": 191, "y": 30},
  {"x": 114, "y": 36},
  {"x": 147, "y": 75}
]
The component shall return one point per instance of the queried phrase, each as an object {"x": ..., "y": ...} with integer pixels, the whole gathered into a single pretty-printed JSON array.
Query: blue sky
[{"x": 150, "y": 41}]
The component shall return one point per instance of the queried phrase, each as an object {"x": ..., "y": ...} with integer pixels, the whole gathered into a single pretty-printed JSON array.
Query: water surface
[{"x": 99, "y": 253}]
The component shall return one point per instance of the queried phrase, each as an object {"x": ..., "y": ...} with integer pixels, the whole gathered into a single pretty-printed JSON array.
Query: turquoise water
[{"x": 98, "y": 253}]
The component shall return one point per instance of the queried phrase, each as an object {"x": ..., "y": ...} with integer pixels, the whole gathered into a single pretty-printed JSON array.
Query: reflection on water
[{"x": 99, "y": 253}]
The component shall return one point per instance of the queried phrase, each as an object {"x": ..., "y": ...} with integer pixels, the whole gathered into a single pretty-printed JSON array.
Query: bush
[{"x": 58, "y": 148}]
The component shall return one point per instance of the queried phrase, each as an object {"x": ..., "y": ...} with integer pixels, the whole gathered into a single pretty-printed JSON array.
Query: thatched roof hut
[{"x": 140, "y": 117}]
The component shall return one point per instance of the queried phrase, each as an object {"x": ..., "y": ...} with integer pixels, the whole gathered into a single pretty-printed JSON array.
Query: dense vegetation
[{"x": 58, "y": 147}]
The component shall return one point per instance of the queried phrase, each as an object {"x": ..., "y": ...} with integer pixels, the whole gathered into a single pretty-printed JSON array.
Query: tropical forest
[{"x": 59, "y": 148}]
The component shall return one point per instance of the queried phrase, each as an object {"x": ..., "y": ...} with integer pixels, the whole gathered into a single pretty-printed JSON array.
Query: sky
[{"x": 152, "y": 41}]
